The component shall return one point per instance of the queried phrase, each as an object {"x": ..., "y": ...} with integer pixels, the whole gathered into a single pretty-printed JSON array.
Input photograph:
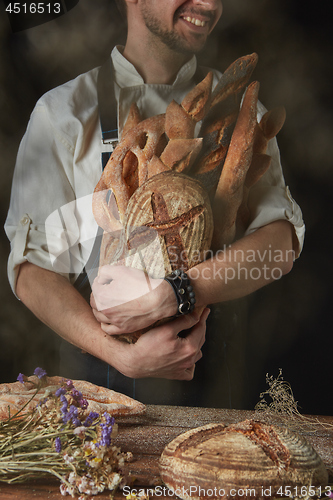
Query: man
[{"x": 156, "y": 65}]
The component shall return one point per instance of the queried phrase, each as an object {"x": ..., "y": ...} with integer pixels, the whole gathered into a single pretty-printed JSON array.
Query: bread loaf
[{"x": 217, "y": 461}]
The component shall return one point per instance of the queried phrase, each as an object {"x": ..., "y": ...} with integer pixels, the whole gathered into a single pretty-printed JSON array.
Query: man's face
[{"x": 183, "y": 26}]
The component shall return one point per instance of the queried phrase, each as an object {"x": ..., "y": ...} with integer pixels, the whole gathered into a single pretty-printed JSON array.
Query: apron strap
[{"x": 107, "y": 107}]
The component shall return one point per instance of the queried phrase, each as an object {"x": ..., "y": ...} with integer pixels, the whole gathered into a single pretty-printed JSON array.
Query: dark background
[{"x": 289, "y": 324}]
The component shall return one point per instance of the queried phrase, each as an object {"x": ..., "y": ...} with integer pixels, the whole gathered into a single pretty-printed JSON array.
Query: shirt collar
[{"x": 127, "y": 76}]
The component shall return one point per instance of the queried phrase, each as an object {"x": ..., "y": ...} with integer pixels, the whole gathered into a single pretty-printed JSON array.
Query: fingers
[
  {"x": 203, "y": 319},
  {"x": 192, "y": 344},
  {"x": 185, "y": 322},
  {"x": 160, "y": 352},
  {"x": 108, "y": 272},
  {"x": 108, "y": 327},
  {"x": 101, "y": 318},
  {"x": 93, "y": 302},
  {"x": 104, "y": 321},
  {"x": 188, "y": 373},
  {"x": 112, "y": 329},
  {"x": 116, "y": 286},
  {"x": 198, "y": 357},
  {"x": 198, "y": 328},
  {"x": 196, "y": 340}
]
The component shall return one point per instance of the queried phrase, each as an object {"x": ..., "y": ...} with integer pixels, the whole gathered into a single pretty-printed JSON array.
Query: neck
[{"x": 155, "y": 62}]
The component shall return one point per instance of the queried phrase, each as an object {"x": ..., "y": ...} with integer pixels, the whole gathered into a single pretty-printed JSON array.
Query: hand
[
  {"x": 125, "y": 299},
  {"x": 161, "y": 353}
]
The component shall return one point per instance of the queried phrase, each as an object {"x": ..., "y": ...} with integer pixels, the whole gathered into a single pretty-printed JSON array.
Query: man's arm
[
  {"x": 158, "y": 353},
  {"x": 236, "y": 271},
  {"x": 245, "y": 266}
]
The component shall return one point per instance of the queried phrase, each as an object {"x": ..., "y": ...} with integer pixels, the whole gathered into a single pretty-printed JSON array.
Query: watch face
[{"x": 28, "y": 14}]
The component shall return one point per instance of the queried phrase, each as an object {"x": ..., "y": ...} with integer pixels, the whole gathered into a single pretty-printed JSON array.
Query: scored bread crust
[
  {"x": 226, "y": 461},
  {"x": 14, "y": 395}
]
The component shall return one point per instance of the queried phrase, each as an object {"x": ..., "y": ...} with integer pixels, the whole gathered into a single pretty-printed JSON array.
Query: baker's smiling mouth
[{"x": 195, "y": 21}]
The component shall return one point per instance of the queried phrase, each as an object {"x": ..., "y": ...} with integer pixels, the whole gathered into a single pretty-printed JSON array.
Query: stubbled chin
[
  {"x": 195, "y": 41},
  {"x": 191, "y": 32}
]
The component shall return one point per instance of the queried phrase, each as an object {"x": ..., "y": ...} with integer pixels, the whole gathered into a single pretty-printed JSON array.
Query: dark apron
[{"x": 219, "y": 378}]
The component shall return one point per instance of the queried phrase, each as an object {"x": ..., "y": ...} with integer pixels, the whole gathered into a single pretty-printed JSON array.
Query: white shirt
[{"x": 50, "y": 222}]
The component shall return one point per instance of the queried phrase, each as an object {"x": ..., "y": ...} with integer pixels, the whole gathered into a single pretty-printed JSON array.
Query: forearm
[
  {"x": 158, "y": 353},
  {"x": 238, "y": 270},
  {"x": 245, "y": 266},
  {"x": 60, "y": 306}
]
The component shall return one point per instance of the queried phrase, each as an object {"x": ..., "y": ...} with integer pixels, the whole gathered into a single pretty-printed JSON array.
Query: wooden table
[{"x": 147, "y": 435}]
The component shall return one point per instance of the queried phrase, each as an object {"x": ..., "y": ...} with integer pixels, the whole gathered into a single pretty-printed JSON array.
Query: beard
[{"x": 170, "y": 38}]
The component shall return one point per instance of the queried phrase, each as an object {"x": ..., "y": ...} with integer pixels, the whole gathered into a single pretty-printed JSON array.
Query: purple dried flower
[
  {"x": 64, "y": 407},
  {"x": 109, "y": 420},
  {"x": 76, "y": 394},
  {"x": 64, "y": 401},
  {"x": 106, "y": 435},
  {"x": 65, "y": 416},
  {"x": 72, "y": 411},
  {"x": 60, "y": 392},
  {"x": 89, "y": 420},
  {"x": 79, "y": 399},
  {"x": 70, "y": 414},
  {"x": 21, "y": 378},
  {"x": 57, "y": 444},
  {"x": 76, "y": 422},
  {"x": 40, "y": 372},
  {"x": 83, "y": 403},
  {"x": 106, "y": 430},
  {"x": 69, "y": 384}
]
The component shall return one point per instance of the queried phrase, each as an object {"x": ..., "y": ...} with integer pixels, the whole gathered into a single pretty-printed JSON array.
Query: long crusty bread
[{"x": 13, "y": 396}]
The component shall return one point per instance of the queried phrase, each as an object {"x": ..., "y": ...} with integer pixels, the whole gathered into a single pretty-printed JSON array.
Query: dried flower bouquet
[{"x": 60, "y": 438}]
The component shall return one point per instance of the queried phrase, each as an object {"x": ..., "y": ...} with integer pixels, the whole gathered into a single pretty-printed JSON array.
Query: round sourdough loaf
[{"x": 236, "y": 461}]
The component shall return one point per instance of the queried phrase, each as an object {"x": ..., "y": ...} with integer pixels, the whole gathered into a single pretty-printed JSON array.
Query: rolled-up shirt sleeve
[{"x": 41, "y": 184}]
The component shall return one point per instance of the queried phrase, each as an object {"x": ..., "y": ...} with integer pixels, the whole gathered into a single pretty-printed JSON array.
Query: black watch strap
[{"x": 183, "y": 289}]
